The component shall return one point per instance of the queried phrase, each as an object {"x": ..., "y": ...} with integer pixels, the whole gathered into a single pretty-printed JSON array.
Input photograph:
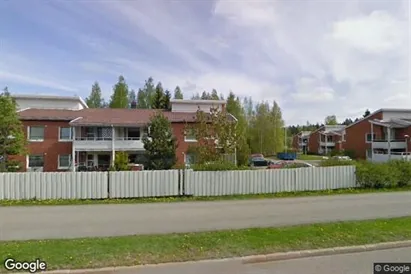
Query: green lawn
[
  {"x": 187, "y": 199},
  {"x": 305, "y": 157},
  {"x": 134, "y": 250}
]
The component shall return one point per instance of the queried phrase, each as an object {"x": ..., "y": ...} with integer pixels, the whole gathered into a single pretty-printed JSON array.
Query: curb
[
  {"x": 323, "y": 252},
  {"x": 252, "y": 259}
]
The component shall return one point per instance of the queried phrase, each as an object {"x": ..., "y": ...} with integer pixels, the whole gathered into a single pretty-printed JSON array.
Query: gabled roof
[
  {"x": 378, "y": 111},
  {"x": 105, "y": 116},
  {"x": 394, "y": 123}
]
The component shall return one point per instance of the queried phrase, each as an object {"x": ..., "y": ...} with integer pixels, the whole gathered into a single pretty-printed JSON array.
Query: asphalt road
[
  {"x": 356, "y": 263},
  {"x": 47, "y": 222}
]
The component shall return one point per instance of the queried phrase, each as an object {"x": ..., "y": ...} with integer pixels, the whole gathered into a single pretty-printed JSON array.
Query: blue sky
[{"x": 315, "y": 57}]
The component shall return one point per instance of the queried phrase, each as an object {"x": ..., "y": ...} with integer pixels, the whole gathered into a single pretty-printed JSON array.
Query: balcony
[
  {"x": 106, "y": 144},
  {"x": 327, "y": 144},
  {"x": 382, "y": 158},
  {"x": 394, "y": 144}
]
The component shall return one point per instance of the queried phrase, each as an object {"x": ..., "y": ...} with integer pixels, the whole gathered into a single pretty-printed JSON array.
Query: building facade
[
  {"x": 67, "y": 137},
  {"x": 326, "y": 139}
]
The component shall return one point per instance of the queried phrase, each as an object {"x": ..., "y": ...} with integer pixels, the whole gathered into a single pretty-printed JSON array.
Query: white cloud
[{"x": 314, "y": 57}]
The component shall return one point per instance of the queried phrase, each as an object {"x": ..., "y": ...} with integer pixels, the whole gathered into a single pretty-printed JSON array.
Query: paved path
[
  {"x": 46, "y": 222},
  {"x": 356, "y": 263}
]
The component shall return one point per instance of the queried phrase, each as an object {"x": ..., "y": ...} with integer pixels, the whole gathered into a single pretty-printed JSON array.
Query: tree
[
  {"x": 146, "y": 94},
  {"x": 347, "y": 122},
  {"x": 158, "y": 98},
  {"x": 119, "y": 98},
  {"x": 214, "y": 95},
  {"x": 121, "y": 161},
  {"x": 366, "y": 113},
  {"x": 330, "y": 120},
  {"x": 178, "y": 94},
  {"x": 215, "y": 133},
  {"x": 205, "y": 96},
  {"x": 161, "y": 144},
  {"x": 235, "y": 108},
  {"x": 95, "y": 99},
  {"x": 6, "y": 91},
  {"x": 12, "y": 140},
  {"x": 278, "y": 128},
  {"x": 167, "y": 100},
  {"x": 132, "y": 98},
  {"x": 196, "y": 96}
]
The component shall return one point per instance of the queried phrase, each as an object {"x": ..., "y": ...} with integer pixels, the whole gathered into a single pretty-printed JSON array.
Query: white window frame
[
  {"x": 35, "y": 140},
  {"x": 366, "y": 139},
  {"x": 71, "y": 135},
  {"x": 189, "y": 140},
  {"x": 64, "y": 167},
  {"x": 28, "y": 161}
]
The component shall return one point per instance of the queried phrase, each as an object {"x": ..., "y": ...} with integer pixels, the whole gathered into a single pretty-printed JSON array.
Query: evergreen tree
[
  {"x": 95, "y": 99},
  {"x": 161, "y": 145},
  {"x": 178, "y": 94},
  {"x": 205, "y": 96},
  {"x": 159, "y": 98},
  {"x": 119, "y": 98},
  {"x": 167, "y": 100},
  {"x": 214, "y": 95},
  {"x": 132, "y": 98},
  {"x": 367, "y": 113},
  {"x": 12, "y": 139},
  {"x": 146, "y": 94}
]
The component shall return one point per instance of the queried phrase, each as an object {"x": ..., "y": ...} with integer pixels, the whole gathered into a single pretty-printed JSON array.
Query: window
[
  {"x": 368, "y": 137},
  {"x": 65, "y": 134},
  {"x": 36, "y": 133},
  {"x": 64, "y": 161},
  {"x": 343, "y": 137},
  {"x": 189, "y": 159},
  {"x": 35, "y": 161},
  {"x": 190, "y": 136}
]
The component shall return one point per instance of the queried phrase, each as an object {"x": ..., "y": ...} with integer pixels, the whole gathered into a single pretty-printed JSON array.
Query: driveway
[{"x": 47, "y": 222}]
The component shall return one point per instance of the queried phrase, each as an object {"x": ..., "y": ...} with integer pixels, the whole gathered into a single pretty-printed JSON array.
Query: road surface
[
  {"x": 47, "y": 222},
  {"x": 355, "y": 263}
]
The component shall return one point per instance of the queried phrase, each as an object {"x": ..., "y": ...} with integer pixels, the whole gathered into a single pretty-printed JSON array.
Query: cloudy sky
[{"x": 315, "y": 57}]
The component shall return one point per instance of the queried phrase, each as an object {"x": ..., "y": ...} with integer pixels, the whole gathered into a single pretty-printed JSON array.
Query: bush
[
  {"x": 383, "y": 175},
  {"x": 218, "y": 166},
  {"x": 336, "y": 162}
]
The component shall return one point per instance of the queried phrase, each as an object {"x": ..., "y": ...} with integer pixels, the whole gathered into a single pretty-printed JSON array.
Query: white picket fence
[{"x": 136, "y": 184}]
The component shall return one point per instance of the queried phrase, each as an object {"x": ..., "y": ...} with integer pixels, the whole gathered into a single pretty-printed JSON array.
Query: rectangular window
[
  {"x": 64, "y": 161},
  {"x": 65, "y": 133},
  {"x": 36, "y": 161},
  {"x": 368, "y": 137},
  {"x": 190, "y": 136},
  {"x": 36, "y": 133}
]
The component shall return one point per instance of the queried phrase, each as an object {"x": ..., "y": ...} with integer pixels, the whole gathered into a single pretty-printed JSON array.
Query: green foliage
[
  {"x": 145, "y": 95},
  {"x": 158, "y": 98},
  {"x": 215, "y": 134},
  {"x": 219, "y": 165},
  {"x": 119, "y": 98},
  {"x": 384, "y": 175},
  {"x": 121, "y": 161},
  {"x": 12, "y": 139},
  {"x": 336, "y": 152},
  {"x": 331, "y": 120},
  {"x": 336, "y": 162},
  {"x": 178, "y": 94},
  {"x": 350, "y": 153},
  {"x": 95, "y": 99},
  {"x": 167, "y": 100},
  {"x": 161, "y": 144}
]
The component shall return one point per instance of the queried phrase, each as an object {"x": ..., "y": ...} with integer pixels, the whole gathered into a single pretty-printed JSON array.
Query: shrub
[
  {"x": 383, "y": 175},
  {"x": 218, "y": 166},
  {"x": 336, "y": 162},
  {"x": 121, "y": 161}
]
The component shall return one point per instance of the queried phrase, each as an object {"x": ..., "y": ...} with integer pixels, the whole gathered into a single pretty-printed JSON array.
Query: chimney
[{"x": 133, "y": 104}]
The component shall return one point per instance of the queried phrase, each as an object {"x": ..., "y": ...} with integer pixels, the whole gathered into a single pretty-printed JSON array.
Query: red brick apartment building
[
  {"x": 321, "y": 141},
  {"x": 379, "y": 137},
  {"x": 59, "y": 129}
]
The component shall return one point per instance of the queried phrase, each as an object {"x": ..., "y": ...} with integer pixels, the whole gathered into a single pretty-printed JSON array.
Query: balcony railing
[
  {"x": 106, "y": 143},
  {"x": 386, "y": 140},
  {"x": 394, "y": 143}
]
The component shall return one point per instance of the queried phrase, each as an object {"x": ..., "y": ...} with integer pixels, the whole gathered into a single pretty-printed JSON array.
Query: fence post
[
  {"x": 184, "y": 182},
  {"x": 108, "y": 184}
]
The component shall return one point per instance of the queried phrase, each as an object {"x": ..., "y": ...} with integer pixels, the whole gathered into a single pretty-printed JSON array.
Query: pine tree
[
  {"x": 95, "y": 99},
  {"x": 167, "y": 100},
  {"x": 214, "y": 95},
  {"x": 132, "y": 98},
  {"x": 158, "y": 99},
  {"x": 161, "y": 145},
  {"x": 146, "y": 94},
  {"x": 178, "y": 94},
  {"x": 119, "y": 98}
]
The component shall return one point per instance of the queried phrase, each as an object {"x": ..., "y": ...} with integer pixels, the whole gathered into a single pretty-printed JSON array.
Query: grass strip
[
  {"x": 192, "y": 198},
  {"x": 135, "y": 250}
]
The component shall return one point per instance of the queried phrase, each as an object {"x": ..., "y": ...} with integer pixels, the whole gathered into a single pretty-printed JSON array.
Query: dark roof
[{"x": 103, "y": 116}]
